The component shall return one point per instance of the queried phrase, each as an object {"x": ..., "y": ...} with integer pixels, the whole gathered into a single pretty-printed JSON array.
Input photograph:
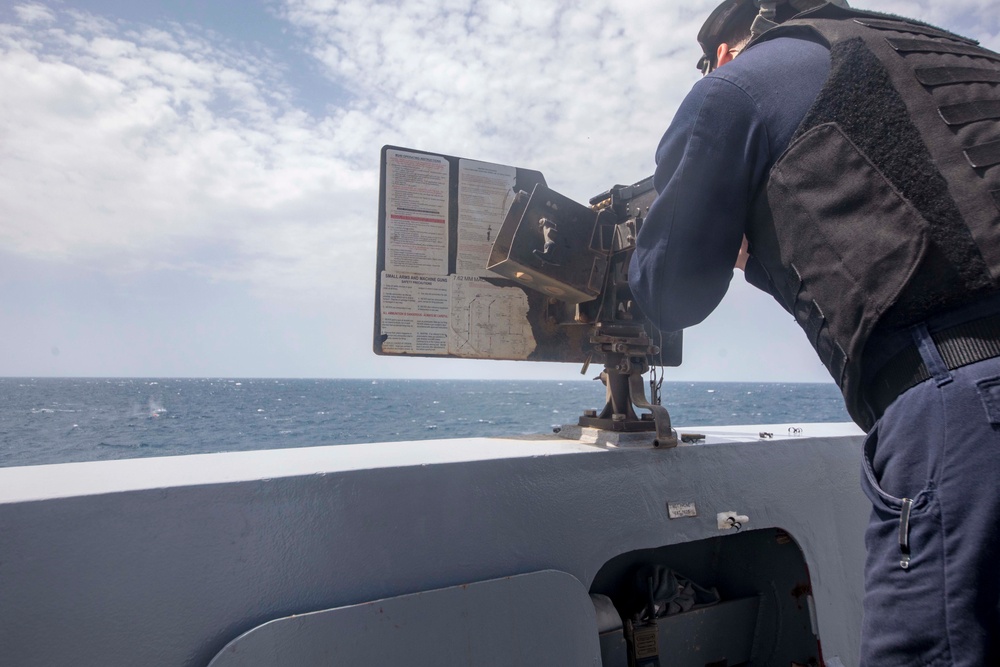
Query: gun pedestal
[
  {"x": 626, "y": 350},
  {"x": 578, "y": 256}
]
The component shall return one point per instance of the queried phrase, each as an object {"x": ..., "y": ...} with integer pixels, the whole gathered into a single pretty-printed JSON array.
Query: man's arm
[{"x": 709, "y": 165}]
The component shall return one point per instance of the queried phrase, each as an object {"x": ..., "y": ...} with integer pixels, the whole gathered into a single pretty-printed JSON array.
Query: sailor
[{"x": 849, "y": 162}]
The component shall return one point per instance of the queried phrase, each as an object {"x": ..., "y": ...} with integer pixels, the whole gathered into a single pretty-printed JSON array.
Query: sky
[{"x": 190, "y": 187}]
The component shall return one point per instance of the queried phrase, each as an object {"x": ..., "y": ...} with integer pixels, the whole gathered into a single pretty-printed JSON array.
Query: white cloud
[
  {"x": 141, "y": 149},
  {"x": 132, "y": 147},
  {"x": 580, "y": 89},
  {"x": 34, "y": 13}
]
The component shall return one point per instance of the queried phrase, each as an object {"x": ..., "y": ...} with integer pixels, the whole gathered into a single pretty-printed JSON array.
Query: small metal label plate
[{"x": 681, "y": 510}]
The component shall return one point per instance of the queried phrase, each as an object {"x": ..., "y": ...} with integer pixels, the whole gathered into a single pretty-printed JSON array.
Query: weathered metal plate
[{"x": 434, "y": 297}]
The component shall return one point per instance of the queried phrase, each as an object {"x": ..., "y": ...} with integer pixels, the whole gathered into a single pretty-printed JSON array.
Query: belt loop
[{"x": 930, "y": 354}]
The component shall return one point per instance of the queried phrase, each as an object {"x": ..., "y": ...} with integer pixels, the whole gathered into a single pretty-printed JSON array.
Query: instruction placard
[
  {"x": 439, "y": 216},
  {"x": 416, "y": 202},
  {"x": 415, "y": 311},
  {"x": 483, "y": 190}
]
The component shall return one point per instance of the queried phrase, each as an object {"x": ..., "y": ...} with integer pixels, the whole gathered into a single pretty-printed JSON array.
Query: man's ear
[{"x": 723, "y": 55}]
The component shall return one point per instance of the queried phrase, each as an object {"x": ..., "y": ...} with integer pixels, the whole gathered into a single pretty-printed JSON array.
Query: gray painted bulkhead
[{"x": 167, "y": 561}]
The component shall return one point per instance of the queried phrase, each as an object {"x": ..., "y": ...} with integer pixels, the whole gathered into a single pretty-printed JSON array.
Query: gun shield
[{"x": 553, "y": 245}]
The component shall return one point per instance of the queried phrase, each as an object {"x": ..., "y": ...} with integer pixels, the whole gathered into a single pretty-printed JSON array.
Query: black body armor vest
[{"x": 885, "y": 208}]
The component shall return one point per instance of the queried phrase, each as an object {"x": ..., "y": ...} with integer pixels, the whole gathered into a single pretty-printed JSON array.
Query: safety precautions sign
[{"x": 415, "y": 313}]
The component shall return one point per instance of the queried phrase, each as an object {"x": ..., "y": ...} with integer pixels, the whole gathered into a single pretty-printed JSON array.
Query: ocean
[{"x": 58, "y": 420}]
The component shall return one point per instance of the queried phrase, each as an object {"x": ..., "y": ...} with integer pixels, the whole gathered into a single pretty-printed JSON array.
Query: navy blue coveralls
[{"x": 932, "y": 461}]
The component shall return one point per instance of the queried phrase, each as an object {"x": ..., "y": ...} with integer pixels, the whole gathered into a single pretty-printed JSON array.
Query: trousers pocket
[
  {"x": 904, "y": 587},
  {"x": 904, "y": 607},
  {"x": 882, "y": 500},
  {"x": 989, "y": 394}
]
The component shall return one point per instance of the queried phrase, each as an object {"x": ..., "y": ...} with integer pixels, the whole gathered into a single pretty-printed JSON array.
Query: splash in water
[{"x": 156, "y": 409}]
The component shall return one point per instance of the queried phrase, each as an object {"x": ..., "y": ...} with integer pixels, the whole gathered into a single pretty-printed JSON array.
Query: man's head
[
  {"x": 732, "y": 25},
  {"x": 727, "y": 26}
]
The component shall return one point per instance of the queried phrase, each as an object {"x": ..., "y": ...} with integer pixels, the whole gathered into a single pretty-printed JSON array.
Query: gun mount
[
  {"x": 580, "y": 255},
  {"x": 484, "y": 261},
  {"x": 626, "y": 352}
]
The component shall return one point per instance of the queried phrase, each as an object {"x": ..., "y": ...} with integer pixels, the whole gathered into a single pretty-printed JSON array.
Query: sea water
[{"x": 57, "y": 420}]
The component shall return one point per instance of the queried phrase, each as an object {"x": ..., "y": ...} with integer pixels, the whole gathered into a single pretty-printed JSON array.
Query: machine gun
[{"x": 518, "y": 271}]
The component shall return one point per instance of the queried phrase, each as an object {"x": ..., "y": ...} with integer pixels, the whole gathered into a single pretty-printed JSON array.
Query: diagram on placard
[{"x": 488, "y": 321}]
